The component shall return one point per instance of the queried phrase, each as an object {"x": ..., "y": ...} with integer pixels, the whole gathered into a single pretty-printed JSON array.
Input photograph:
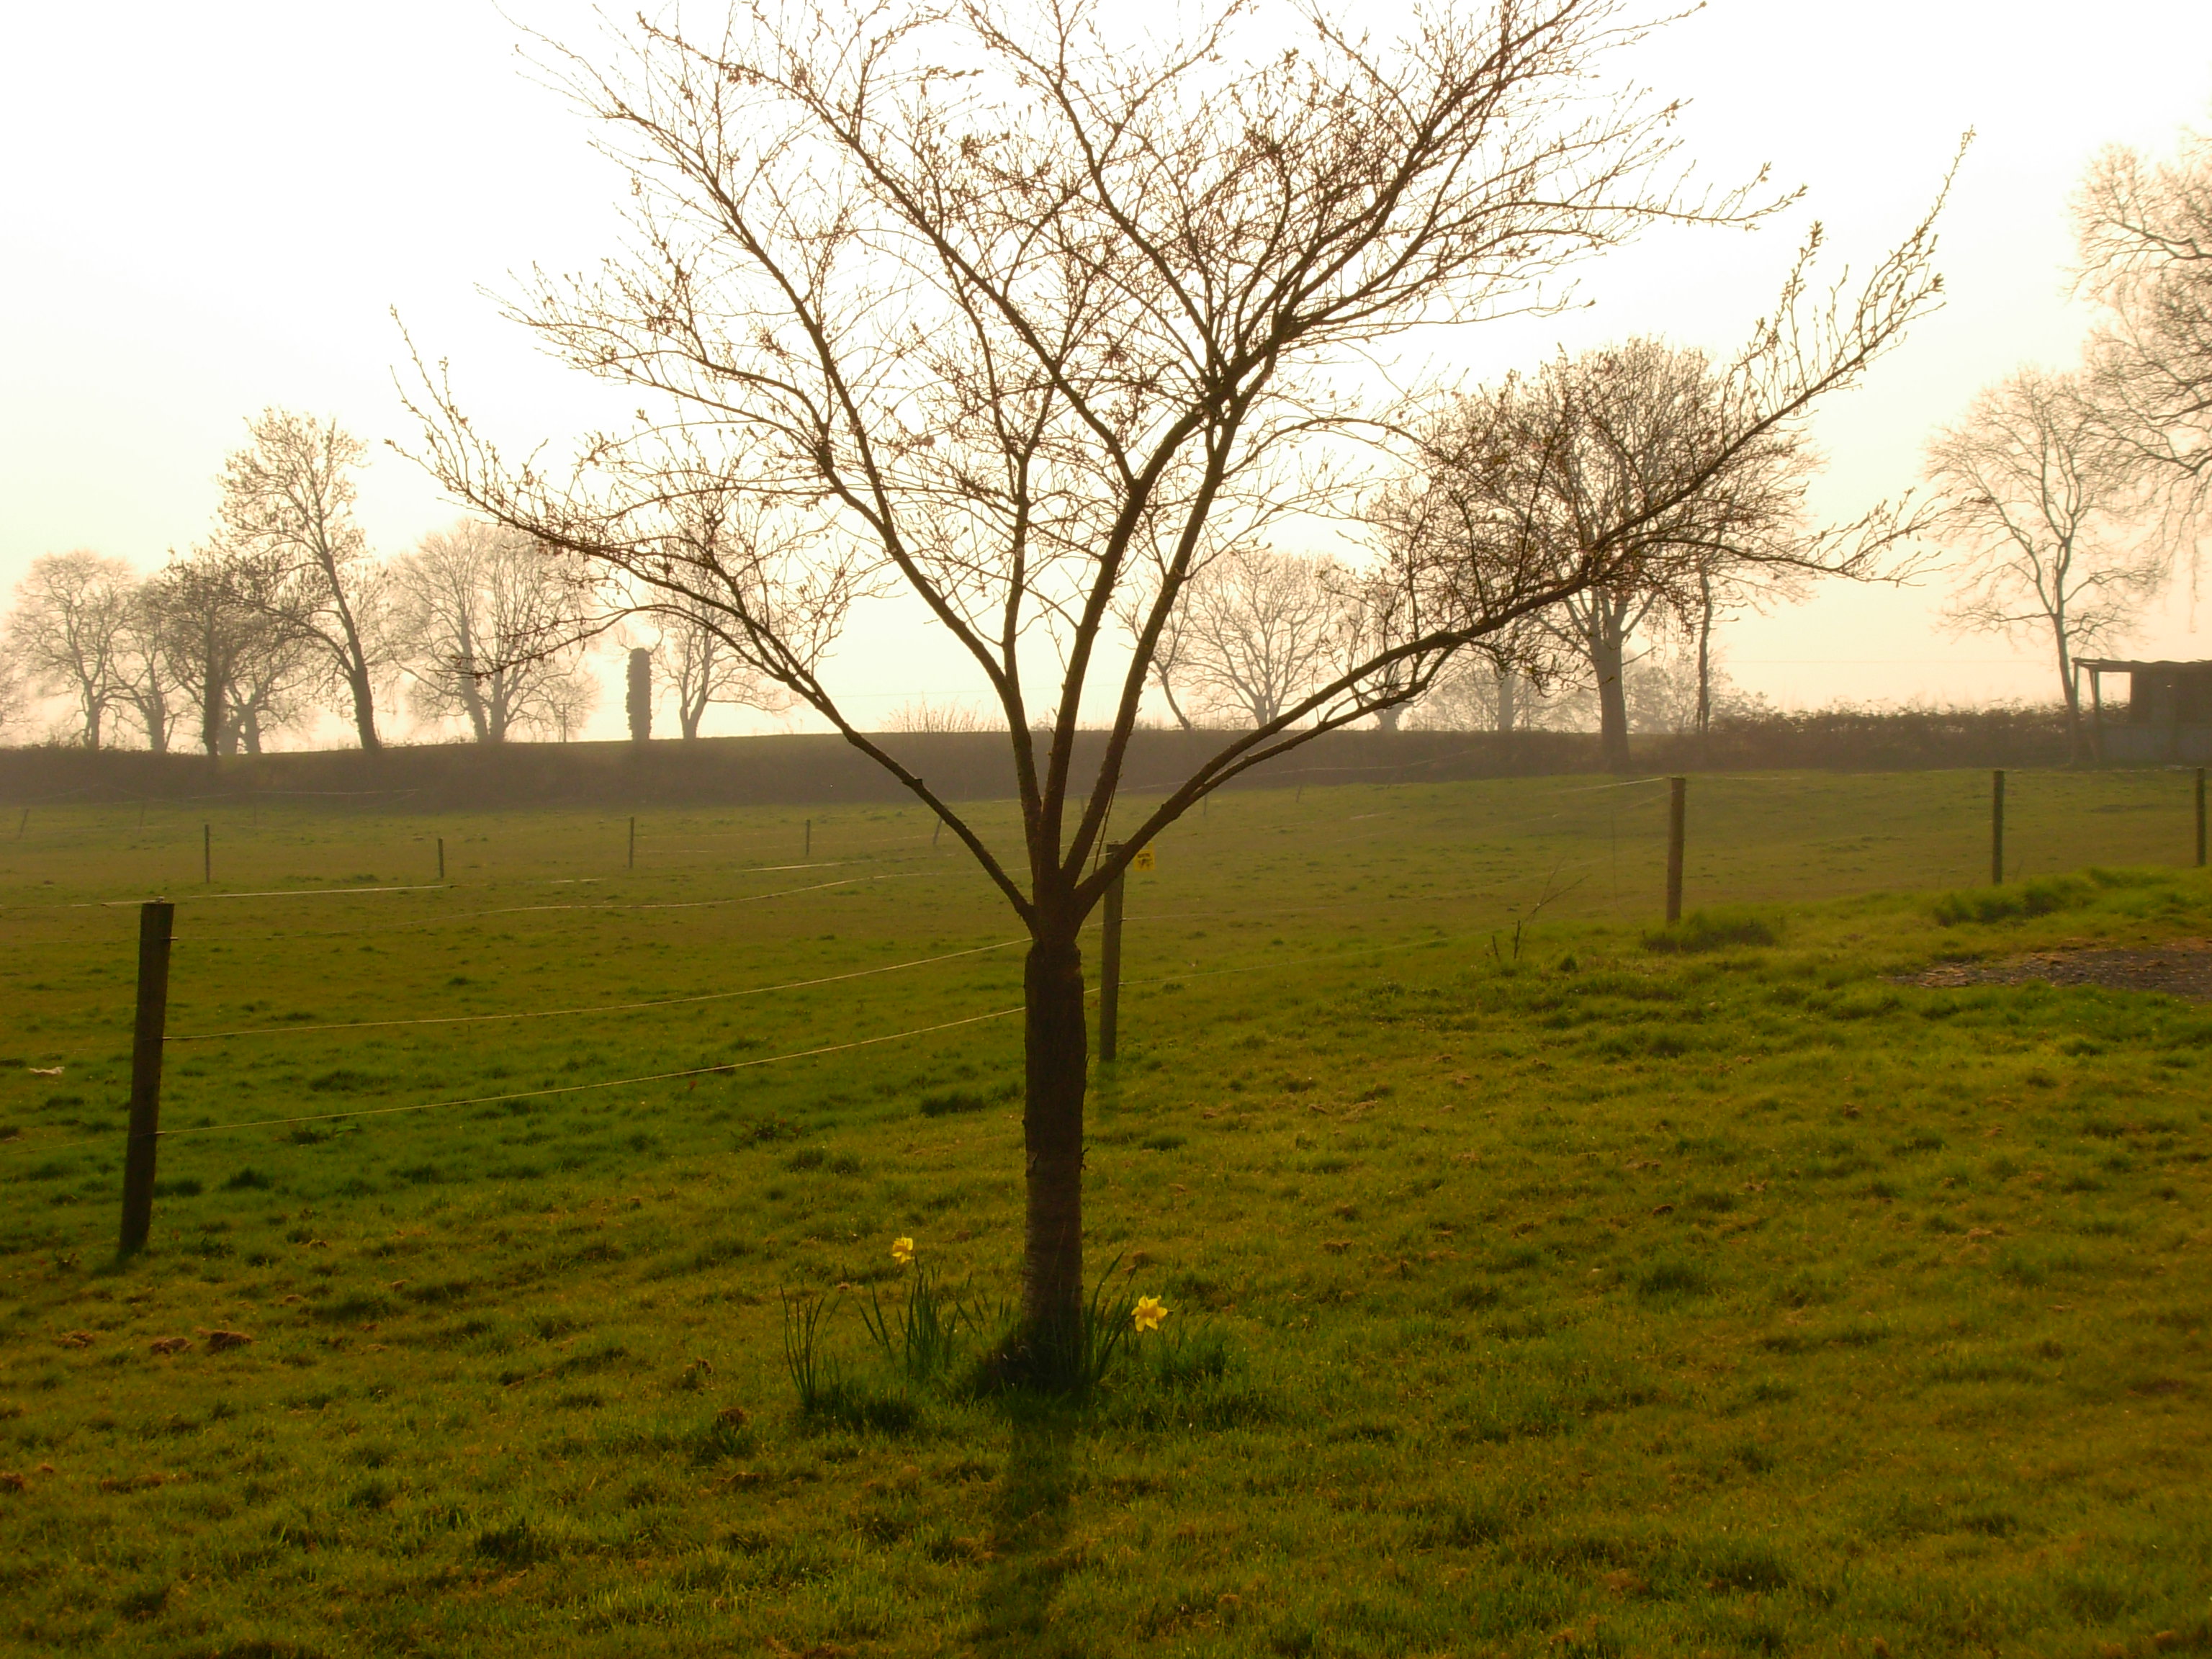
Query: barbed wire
[
  {"x": 601, "y": 1008},
  {"x": 533, "y": 1094}
]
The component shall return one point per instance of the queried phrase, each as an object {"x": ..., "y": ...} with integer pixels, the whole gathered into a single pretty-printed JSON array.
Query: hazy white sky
[{"x": 209, "y": 209}]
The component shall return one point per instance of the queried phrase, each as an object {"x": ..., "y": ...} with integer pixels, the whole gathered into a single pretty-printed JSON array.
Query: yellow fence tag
[{"x": 1143, "y": 860}]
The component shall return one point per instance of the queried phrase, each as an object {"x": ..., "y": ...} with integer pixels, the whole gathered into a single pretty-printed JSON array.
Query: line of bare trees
[{"x": 282, "y": 613}]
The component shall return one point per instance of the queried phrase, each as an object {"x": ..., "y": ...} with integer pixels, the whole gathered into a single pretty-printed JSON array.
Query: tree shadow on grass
[{"x": 1029, "y": 1527}]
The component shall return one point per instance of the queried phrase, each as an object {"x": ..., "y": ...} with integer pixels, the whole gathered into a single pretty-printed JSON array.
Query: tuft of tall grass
[
  {"x": 2033, "y": 898},
  {"x": 1714, "y": 930}
]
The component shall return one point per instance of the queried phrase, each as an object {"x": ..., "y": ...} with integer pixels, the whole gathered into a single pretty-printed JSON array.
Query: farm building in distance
[{"x": 2168, "y": 715}]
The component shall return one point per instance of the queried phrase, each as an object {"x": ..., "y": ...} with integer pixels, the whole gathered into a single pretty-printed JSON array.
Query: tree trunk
[
  {"x": 1057, "y": 1049},
  {"x": 154, "y": 709},
  {"x": 2076, "y": 747},
  {"x": 1705, "y": 653},
  {"x": 364, "y": 704},
  {"x": 472, "y": 689},
  {"x": 1386, "y": 720},
  {"x": 1509, "y": 711},
  {"x": 637, "y": 699},
  {"x": 1605, "y": 653},
  {"x": 352, "y": 659},
  {"x": 212, "y": 698}
]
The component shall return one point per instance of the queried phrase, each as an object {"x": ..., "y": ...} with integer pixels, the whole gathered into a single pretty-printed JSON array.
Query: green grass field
[{"x": 1583, "y": 1298}]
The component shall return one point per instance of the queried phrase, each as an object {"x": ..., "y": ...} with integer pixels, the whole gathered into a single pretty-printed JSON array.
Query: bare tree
[
  {"x": 228, "y": 646},
  {"x": 1256, "y": 630},
  {"x": 1024, "y": 336},
  {"x": 704, "y": 669},
  {"x": 2030, "y": 481},
  {"x": 70, "y": 628},
  {"x": 288, "y": 498},
  {"x": 1589, "y": 444},
  {"x": 147, "y": 684},
  {"x": 487, "y": 628},
  {"x": 1678, "y": 687},
  {"x": 2144, "y": 231},
  {"x": 567, "y": 703}
]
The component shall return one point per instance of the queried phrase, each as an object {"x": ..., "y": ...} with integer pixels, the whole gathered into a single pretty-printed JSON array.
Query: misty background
[{"x": 215, "y": 209}]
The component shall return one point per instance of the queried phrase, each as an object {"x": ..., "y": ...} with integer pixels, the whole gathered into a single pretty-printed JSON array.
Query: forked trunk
[{"x": 1057, "y": 1047}]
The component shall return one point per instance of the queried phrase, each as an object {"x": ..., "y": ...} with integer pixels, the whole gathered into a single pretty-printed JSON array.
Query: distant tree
[
  {"x": 2144, "y": 233},
  {"x": 703, "y": 668},
  {"x": 567, "y": 702},
  {"x": 1678, "y": 688},
  {"x": 1591, "y": 444},
  {"x": 288, "y": 501},
  {"x": 2031, "y": 491},
  {"x": 1027, "y": 310},
  {"x": 148, "y": 686},
  {"x": 69, "y": 630},
  {"x": 229, "y": 647},
  {"x": 1514, "y": 684},
  {"x": 488, "y": 628},
  {"x": 637, "y": 693},
  {"x": 1256, "y": 630}
]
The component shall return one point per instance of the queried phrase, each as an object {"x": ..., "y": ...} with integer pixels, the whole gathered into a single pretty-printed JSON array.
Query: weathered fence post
[
  {"x": 441, "y": 858},
  {"x": 155, "y": 918},
  {"x": 807, "y": 847},
  {"x": 1110, "y": 966},
  {"x": 207, "y": 855},
  {"x": 1677, "y": 802},
  {"x": 2200, "y": 817},
  {"x": 1996, "y": 829}
]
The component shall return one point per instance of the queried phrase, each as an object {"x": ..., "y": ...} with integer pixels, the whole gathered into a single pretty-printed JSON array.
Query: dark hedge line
[{"x": 974, "y": 765}]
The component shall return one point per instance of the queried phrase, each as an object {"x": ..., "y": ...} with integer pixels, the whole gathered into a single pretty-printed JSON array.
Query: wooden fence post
[
  {"x": 2200, "y": 817},
  {"x": 1996, "y": 829},
  {"x": 441, "y": 858},
  {"x": 155, "y": 918},
  {"x": 1109, "y": 967},
  {"x": 807, "y": 847},
  {"x": 207, "y": 855},
  {"x": 1678, "y": 801}
]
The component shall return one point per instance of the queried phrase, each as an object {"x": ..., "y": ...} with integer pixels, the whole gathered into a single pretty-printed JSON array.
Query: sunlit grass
[{"x": 1603, "y": 1298}]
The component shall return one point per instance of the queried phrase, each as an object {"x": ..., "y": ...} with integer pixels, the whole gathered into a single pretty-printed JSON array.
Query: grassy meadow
[{"x": 1537, "y": 1286}]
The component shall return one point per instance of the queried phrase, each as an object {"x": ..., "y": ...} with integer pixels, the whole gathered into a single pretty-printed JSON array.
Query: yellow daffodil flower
[
  {"x": 1148, "y": 1313},
  {"x": 902, "y": 1251}
]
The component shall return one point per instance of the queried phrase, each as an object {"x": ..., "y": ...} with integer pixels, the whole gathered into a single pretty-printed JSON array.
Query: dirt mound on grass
[{"x": 2179, "y": 968}]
